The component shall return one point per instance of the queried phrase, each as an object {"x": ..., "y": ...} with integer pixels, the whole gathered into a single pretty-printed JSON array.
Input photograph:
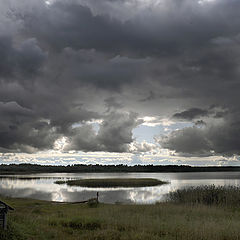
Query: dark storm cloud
[
  {"x": 22, "y": 62},
  {"x": 218, "y": 134},
  {"x": 220, "y": 139},
  {"x": 72, "y": 61},
  {"x": 95, "y": 69},
  {"x": 21, "y": 130},
  {"x": 196, "y": 113},
  {"x": 191, "y": 113},
  {"x": 112, "y": 103},
  {"x": 187, "y": 141},
  {"x": 200, "y": 123},
  {"x": 170, "y": 28},
  {"x": 30, "y": 57}
]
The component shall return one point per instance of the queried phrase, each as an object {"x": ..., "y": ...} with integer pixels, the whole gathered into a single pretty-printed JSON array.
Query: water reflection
[{"x": 41, "y": 186}]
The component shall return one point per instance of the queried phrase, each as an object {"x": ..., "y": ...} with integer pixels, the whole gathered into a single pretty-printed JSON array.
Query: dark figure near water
[{"x": 97, "y": 196}]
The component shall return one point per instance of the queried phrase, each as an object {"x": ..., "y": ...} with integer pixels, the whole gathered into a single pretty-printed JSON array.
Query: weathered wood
[
  {"x": 3, "y": 214},
  {"x": 5, "y": 221},
  {"x": 6, "y": 206}
]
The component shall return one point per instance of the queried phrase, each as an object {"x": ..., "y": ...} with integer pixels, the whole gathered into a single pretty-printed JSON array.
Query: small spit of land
[
  {"x": 113, "y": 182},
  {"x": 208, "y": 212}
]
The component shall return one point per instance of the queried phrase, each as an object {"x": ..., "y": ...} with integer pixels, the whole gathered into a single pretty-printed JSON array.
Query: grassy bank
[
  {"x": 40, "y": 220},
  {"x": 113, "y": 182}
]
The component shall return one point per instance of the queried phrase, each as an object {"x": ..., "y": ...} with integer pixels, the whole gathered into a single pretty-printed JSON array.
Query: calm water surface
[{"x": 41, "y": 186}]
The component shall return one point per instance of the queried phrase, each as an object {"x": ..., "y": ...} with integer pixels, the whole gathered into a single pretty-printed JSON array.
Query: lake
[{"x": 42, "y": 186}]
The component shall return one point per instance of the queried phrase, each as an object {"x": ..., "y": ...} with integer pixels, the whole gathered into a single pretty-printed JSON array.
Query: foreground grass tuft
[
  {"x": 82, "y": 223},
  {"x": 12, "y": 233},
  {"x": 113, "y": 182}
]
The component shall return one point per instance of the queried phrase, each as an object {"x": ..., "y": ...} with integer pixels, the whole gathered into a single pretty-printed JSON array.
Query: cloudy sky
[{"x": 120, "y": 81}]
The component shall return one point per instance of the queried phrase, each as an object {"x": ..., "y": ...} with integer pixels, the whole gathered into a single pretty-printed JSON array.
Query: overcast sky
[{"x": 120, "y": 81}]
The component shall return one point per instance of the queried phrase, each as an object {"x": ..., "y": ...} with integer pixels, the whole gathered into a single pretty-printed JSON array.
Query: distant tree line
[{"x": 78, "y": 168}]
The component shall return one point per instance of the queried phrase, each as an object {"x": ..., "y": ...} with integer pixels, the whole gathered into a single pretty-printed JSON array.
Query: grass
[
  {"x": 113, "y": 182},
  {"x": 41, "y": 220},
  {"x": 208, "y": 195},
  {"x": 36, "y": 220}
]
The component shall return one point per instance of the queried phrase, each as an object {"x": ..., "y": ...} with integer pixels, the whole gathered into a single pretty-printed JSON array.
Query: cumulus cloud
[
  {"x": 114, "y": 134},
  {"x": 212, "y": 139},
  {"x": 142, "y": 147}
]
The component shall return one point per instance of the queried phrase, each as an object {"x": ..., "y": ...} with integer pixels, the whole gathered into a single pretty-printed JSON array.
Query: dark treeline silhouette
[{"x": 34, "y": 168}]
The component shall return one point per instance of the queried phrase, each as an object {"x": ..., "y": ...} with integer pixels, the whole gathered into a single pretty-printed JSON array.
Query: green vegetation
[
  {"x": 40, "y": 220},
  {"x": 209, "y": 195},
  {"x": 113, "y": 182}
]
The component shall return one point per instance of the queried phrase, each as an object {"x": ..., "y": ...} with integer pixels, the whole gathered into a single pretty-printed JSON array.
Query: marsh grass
[
  {"x": 92, "y": 203},
  {"x": 208, "y": 195},
  {"x": 113, "y": 182}
]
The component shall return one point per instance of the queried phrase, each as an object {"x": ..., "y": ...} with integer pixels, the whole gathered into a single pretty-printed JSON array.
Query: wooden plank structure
[
  {"x": 3, "y": 214},
  {"x": 85, "y": 201}
]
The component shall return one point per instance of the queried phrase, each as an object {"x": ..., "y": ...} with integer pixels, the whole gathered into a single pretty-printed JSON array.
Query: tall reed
[{"x": 208, "y": 195}]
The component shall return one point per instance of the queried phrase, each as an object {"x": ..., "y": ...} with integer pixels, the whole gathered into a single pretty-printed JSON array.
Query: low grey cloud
[
  {"x": 200, "y": 113},
  {"x": 68, "y": 63},
  {"x": 63, "y": 24},
  {"x": 187, "y": 141},
  {"x": 22, "y": 62},
  {"x": 191, "y": 113},
  {"x": 200, "y": 123}
]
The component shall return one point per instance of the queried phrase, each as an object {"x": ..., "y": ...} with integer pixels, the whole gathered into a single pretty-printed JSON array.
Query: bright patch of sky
[
  {"x": 146, "y": 132},
  {"x": 205, "y": 1},
  {"x": 49, "y": 2}
]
